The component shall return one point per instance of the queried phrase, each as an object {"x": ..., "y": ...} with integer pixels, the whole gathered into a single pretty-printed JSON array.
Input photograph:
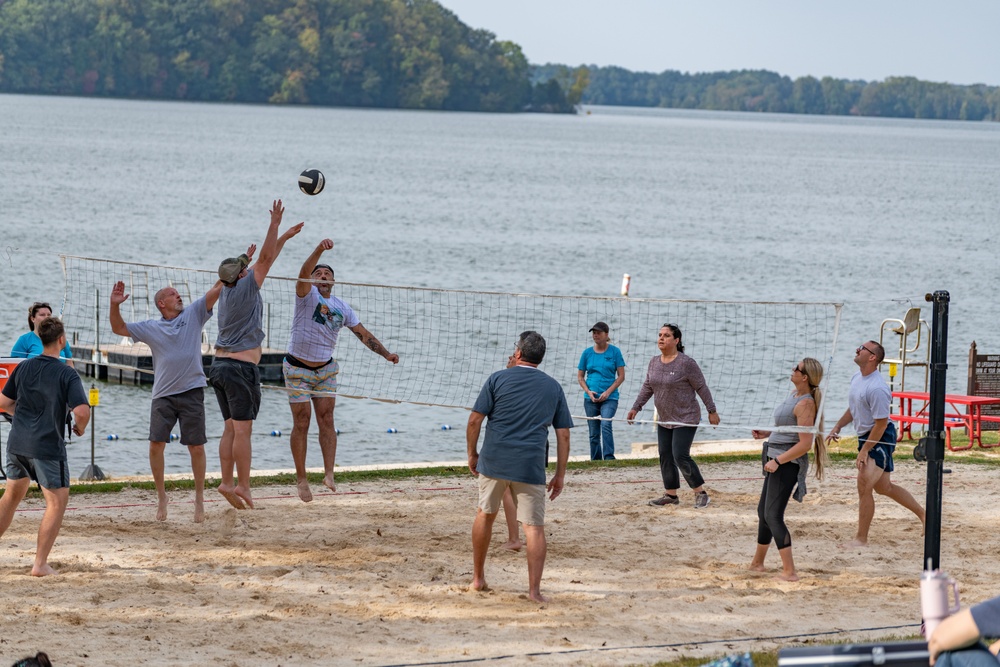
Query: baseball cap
[
  {"x": 231, "y": 268},
  {"x": 601, "y": 326}
]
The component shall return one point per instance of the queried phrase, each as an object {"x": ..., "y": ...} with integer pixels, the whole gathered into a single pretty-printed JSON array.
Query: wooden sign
[{"x": 984, "y": 380}]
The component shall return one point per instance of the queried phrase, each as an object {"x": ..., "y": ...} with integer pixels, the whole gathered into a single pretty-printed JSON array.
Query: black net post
[{"x": 933, "y": 443}]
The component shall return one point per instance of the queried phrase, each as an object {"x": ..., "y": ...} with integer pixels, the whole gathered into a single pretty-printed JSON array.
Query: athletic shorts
[
  {"x": 300, "y": 381},
  {"x": 237, "y": 388},
  {"x": 49, "y": 474},
  {"x": 187, "y": 407},
  {"x": 529, "y": 499},
  {"x": 882, "y": 452}
]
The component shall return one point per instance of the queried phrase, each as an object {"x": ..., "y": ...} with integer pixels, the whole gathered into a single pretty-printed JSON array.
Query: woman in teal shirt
[
  {"x": 600, "y": 373},
  {"x": 30, "y": 345}
]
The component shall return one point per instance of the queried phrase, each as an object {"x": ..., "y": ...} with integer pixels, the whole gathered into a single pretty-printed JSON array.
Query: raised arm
[
  {"x": 212, "y": 295},
  {"x": 302, "y": 288},
  {"x": 273, "y": 243},
  {"x": 371, "y": 342},
  {"x": 118, "y": 297}
]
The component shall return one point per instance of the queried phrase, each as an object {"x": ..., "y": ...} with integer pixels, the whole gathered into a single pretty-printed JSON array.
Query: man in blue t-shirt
[
  {"x": 178, "y": 380},
  {"x": 39, "y": 393},
  {"x": 520, "y": 402},
  {"x": 868, "y": 404}
]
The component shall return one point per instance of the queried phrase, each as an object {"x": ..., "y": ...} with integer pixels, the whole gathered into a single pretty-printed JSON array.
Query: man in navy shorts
[
  {"x": 39, "y": 393},
  {"x": 868, "y": 407},
  {"x": 178, "y": 381}
]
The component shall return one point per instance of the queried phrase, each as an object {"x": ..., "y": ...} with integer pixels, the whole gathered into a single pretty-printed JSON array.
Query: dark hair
[
  {"x": 676, "y": 333},
  {"x": 40, "y": 659},
  {"x": 532, "y": 347},
  {"x": 33, "y": 310},
  {"x": 50, "y": 330},
  {"x": 879, "y": 351}
]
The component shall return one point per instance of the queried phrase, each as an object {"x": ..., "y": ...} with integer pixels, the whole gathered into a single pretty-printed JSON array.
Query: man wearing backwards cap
[
  {"x": 310, "y": 367},
  {"x": 234, "y": 374}
]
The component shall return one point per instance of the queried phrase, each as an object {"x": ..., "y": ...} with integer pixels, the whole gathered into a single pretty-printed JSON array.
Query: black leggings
[
  {"x": 778, "y": 486},
  {"x": 675, "y": 451}
]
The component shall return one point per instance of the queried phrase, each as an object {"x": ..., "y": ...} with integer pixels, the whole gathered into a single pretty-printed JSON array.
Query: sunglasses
[
  {"x": 858, "y": 351},
  {"x": 796, "y": 368}
]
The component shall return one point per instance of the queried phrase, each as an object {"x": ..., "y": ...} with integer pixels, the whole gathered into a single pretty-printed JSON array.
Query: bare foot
[
  {"x": 161, "y": 509},
  {"x": 244, "y": 495},
  {"x": 199, "y": 510},
  {"x": 756, "y": 568},
  {"x": 538, "y": 597},
  {"x": 512, "y": 545},
  {"x": 328, "y": 482},
  {"x": 305, "y": 493},
  {"x": 228, "y": 492},
  {"x": 854, "y": 544},
  {"x": 788, "y": 577},
  {"x": 43, "y": 571},
  {"x": 479, "y": 586}
]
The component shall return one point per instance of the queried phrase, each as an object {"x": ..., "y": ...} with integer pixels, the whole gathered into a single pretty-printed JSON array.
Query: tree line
[
  {"x": 412, "y": 54},
  {"x": 761, "y": 90}
]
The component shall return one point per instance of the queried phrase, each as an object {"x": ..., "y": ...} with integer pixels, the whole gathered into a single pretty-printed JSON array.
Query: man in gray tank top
[
  {"x": 174, "y": 341},
  {"x": 234, "y": 374}
]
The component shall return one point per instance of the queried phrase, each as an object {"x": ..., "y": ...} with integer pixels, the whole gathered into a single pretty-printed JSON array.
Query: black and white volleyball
[{"x": 311, "y": 181}]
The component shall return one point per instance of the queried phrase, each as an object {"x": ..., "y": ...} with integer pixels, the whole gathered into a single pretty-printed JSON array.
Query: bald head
[{"x": 168, "y": 302}]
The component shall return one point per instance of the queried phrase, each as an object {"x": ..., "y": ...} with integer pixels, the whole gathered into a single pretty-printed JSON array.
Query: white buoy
[
  {"x": 174, "y": 436},
  {"x": 626, "y": 284},
  {"x": 445, "y": 427},
  {"x": 391, "y": 430},
  {"x": 112, "y": 436},
  {"x": 276, "y": 433}
]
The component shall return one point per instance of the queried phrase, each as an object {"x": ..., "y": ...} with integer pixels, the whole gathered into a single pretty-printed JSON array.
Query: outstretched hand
[
  {"x": 118, "y": 295},
  {"x": 250, "y": 251},
  {"x": 292, "y": 231},
  {"x": 324, "y": 245},
  {"x": 277, "y": 211}
]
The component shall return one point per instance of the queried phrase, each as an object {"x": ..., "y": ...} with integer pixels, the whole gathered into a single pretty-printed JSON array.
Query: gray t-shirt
[
  {"x": 44, "y": 390},
  {"x": 176, "y": 348},
  {"x": 868, "y": 400},
  {"x": 520, "y": 404},
  {"x": 241, "y": 315},
  {"x": 987, "y": 617}
]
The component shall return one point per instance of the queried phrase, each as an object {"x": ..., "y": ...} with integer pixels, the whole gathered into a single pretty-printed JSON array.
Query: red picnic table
[{"x": 971, "y": 418}]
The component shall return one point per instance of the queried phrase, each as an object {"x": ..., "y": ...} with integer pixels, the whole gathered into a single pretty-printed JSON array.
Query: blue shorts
[
  {"x": 882, "y": 452},
  {"x": 49, "y": 474}
]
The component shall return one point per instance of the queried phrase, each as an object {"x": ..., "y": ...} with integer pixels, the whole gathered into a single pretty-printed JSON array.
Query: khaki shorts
[{"x": 529, "y": 498}]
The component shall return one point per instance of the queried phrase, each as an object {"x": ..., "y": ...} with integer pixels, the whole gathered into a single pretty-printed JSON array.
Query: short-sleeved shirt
[
  {"x": 44, "y": 391},
  {"x": 241, "y": 315},
  {"x": 520, "y": 404},
  {"x": 601, "y": 369},
  {"x": 176, "y": 348},
  {"x": 316, "y": 325},
  {"x": 987, "y": 617},
  {"x": 29, "y": 346},
  {"x": 868, "y": 400}
]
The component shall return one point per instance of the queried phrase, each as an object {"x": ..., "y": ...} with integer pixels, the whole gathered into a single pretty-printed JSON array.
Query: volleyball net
[{"x": 450, "y": 341}]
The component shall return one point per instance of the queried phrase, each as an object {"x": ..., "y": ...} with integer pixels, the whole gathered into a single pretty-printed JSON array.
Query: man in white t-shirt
[
  {"x": 178, "y": 380},
  {"x": 309, "y": 367},
  {"x": 868, "y": 407}
]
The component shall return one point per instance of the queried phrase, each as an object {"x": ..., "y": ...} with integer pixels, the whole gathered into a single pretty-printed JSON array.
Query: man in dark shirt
[
  {"x": 521, "y": 403},
  {"x": 38, "y": 394}
]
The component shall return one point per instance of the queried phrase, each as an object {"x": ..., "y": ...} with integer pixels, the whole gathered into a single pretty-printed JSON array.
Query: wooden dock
[{"x": 133, "y": 364}]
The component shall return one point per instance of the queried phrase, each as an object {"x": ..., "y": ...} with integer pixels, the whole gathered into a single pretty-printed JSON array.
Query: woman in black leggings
[{"x": 786, "y": 460}]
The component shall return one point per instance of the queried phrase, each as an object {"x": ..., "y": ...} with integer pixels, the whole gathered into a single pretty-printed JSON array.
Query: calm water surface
[{"x": 694, "y": 205}]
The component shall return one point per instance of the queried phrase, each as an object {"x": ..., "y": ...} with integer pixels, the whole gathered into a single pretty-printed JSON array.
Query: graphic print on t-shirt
[{"x": 331, "y": 318}]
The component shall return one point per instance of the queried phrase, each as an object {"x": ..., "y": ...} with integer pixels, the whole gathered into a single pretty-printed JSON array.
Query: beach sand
[{"x": 377, "y": 574}]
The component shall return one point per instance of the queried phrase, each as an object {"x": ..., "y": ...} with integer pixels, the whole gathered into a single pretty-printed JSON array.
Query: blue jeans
[
  {"x": 974, "y": 656},
  {"x": 605, "y": 410}
]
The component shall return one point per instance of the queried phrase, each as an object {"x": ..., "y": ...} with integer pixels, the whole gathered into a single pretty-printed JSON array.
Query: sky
[{"x": 956, "y": 41}]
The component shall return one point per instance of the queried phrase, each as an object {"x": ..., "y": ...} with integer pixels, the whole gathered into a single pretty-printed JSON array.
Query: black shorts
[
  {"x": 49, "y": 474},
  {"x": 187, "y": 407},
  {"x": 237, "y": 387}
]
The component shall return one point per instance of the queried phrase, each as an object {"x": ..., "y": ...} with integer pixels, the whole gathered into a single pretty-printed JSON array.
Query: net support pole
[{"x": 933, "y": 443}]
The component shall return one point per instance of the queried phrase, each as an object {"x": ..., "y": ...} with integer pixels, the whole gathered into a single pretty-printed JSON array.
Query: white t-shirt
[
  {"x": 316, "y": 325},
  {"x": 869, "y": 399}
]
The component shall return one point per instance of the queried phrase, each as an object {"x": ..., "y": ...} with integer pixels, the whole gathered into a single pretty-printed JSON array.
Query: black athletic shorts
[
  {"x": 49, "y": 474},
  {"x": 237, "y": 387},
  {"x": 187, "y": 407}
]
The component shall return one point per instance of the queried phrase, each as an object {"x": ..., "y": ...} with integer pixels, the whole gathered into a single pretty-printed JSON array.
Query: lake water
[{"x": 694, "y": 205}]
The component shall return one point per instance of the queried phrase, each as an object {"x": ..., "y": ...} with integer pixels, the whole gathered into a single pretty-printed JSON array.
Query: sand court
[{"x": 377, "y": 574}]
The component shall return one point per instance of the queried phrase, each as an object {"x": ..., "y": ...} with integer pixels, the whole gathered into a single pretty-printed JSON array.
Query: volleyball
[{"x": 311, "y": 181}]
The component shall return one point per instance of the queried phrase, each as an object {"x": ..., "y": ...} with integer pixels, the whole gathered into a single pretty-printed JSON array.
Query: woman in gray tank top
[{"x": 786, "y": 460}]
